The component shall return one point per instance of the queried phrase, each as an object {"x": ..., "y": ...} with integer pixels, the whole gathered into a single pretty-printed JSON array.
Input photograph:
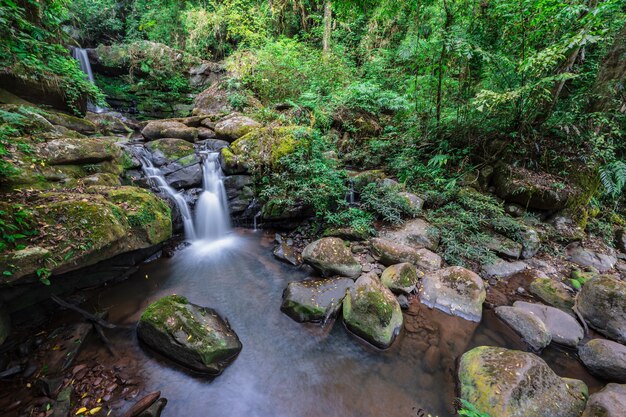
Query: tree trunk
[{"x": 328, "y": 20}]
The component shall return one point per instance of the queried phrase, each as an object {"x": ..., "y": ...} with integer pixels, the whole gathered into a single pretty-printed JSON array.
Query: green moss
[
  {"x": 265, "y": 147},
  {"x": 172, "y": 149}
]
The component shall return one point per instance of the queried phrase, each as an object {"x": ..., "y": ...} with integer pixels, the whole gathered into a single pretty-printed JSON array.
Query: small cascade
[
  {"x": 350, "y": 194},
  {"x": 255, "y": 221},
  {"x": 212, "y": 214},
  {"x": 80, "y": 55},
  {"x": 157, "y": 180}
]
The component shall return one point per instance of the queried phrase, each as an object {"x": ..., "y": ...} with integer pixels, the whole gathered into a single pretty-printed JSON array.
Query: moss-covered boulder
[
  {"x": 454, "y": 290},
  {"x": 81, "y": 229},
  {"x": 553, "y": 293},
  {"x": 79, "y": 151},
  {"x": 235, "y": 126},
  {"x": 169, "y": 149},
  {"x": 527, "y": 325},
  {"x": 372, "y": 312},
  {"x": 109, "y": 123},
  {"x": 233, "y": 164},
  {"x": 194, "y": 336},
  {"x": 77, "y": 124},
  {"x": 605, "y": 358},
  {"x": 609, "y": 402},
  {"x": 401, "y": 278},
  {"x": 417, "y": 233},
  {"x": 391, "y": 253},
  {"x": 330, "y": 256},
  {"x": 169, "y": 129},
  {"x": 602, "y": 303},
  {"x": 360, "y": 179},
  {"x": 510, "y": 383},
  {"x": 314, "y": 300}
]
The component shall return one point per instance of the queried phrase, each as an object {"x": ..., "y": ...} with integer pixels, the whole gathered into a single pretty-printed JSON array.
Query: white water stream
[{"x": 80, "y": 55}]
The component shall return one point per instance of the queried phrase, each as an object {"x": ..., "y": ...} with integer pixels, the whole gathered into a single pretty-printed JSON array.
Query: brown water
[{"x": 287, "y": 369}]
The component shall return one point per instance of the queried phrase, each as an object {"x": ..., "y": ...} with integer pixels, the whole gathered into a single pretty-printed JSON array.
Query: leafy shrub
[
  {"x": 384, "y": 201},
  {"x": 469, "y": 410},
  {"x": 358, "y": 220}
]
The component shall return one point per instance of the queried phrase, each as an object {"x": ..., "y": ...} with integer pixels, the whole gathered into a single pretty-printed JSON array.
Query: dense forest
[{"x": 474, "y": 144}]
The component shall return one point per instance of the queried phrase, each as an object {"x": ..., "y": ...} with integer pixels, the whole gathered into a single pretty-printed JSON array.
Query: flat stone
[
  {"x": 602, "y": 261},
  {"x": 553, "y": 293},
  {"x": 417, "y": 233},
  {"x": 563, "y": 328},
  {"x": 330, "y": 256},
  {"x": 526, "y": 324},
  {"x": 314, "y": 300},
  {"x": 503, "y": 269},
  {"x": 505, "y": 247},
  {"x": 391, "y": 253}
]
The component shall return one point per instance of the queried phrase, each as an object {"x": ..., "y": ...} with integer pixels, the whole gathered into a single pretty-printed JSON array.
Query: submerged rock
[
  {"x": 602, "y": 303},
  {"x": 553, "y": 292},
  {"x": 330, "y": 256},
  {"x": 401, "y": 278},
  {"x": 563, "y": 328},
  {"x": 391, "y": 253},
  {"x": 194, "y": 336},
  {"x": 605, "y": 358},
  {"x": 454, "y": 290},
  {"x": 526, "y": 324},
  {"x": 372, "y": 312},
  {"x": 609, "y": 402},
  {"x": 510, "y": 383},
  {"x": 314, "y": 300}
]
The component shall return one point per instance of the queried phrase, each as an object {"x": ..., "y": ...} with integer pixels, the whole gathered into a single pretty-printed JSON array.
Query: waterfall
[
  {"x": 212, "y": 214},
  {"x": 157, "y": 180},
  {"x": 80, "y": 55}
]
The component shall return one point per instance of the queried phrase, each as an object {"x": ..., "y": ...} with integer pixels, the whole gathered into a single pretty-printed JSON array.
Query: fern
[{"x": 613, "y": 177}]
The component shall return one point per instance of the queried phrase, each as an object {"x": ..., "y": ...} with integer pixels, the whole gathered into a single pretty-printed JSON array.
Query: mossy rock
[
  {"x": 510, "y": 383},
  {"x": 372, "y": 312},
  {"x": 171, "y": 148},
  {"x": 401, "y": 278},
  {"x": 330, "y": 256},
  {"x": 553, "y": 293},
  {"x": 158, "y": 129},
  {"x": 233, "y": 164},
  {"x": 79, "y": 151},
  {"x": 235, "y": 126},
  {"x": 264, "y": 147},
  {"x": 194, "y": 336},
  {"x": 602, "y": 303},
  {"x": 77, "y": 124},
  {"x": 362, "y": 178},
  {"x": 314, "y": 300},
  {"x": 391, "y": 253}
]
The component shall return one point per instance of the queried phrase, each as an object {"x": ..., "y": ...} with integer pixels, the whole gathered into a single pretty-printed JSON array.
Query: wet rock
[
  {"x": 504, "y": 247},
  {"x": 417, "y": 233},
  {"x": 553, "y": 293},
  {"x": 155, "y": 409},
  {"x": 372, "y": 312},
  {"x": 168, "y": 149},
  {"x": 602, "y": 303},
  {"x": 169, "y": 129},
  {"x": 215, "y": 145},
  {"x": 563, "y": 328},
  {"x": 235, "y": 126},
  {"x": 330, "y": 256},
  {"x": 206, "y": 133},
  {"x": 454, "y": 290},
  {"x": 110, "y": 122},
  {"x": 605, "y": 358},
  {"x": 401, "y": 278},
  {"x": 391, "y": 253},
  {"x": 502, "y": 382},
  {"x": 195, "y": 336},
  {"x": 287, "y": 253},
  {"x": 609, "y": 402},
  {"x": 186, "y": 177},
  {"x": 503, "y": 269},
  {"x": 77, "y": 124},
  {"x": 527, "y": 325},
  {"x": 416, "y": 203},
  {"x": 314, "y": 300},
  {"x": 403, "y": 301},
  {"x": 602, "y": 261}
]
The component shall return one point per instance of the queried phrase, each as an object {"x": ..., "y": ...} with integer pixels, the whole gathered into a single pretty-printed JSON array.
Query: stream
[{"x": 287, "y": 369}]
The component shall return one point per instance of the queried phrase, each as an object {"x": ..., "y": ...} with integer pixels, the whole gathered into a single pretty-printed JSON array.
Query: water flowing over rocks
[
  {"x": 194, "y": 336},
  {"x": 372, "y": 312},
  {"x": 605, "y": 358},
  {"x": 314, "y": 300},
  {"x": 330, "y": 256},
  {"x": 602, "y": 303},
  {"x": 509, "y": 383},
  {"x": 526, "y": 324},
  {"x": 609, "y": 402},
  {"x": 454, "y": 290},
  {"x": 563, "y": 328}
]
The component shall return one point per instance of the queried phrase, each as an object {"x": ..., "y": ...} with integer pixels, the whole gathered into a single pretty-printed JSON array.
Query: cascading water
[
  {"x": 212, "y": 218},
  {"x": 80, "y": 55},
  {"x": 156, "y": 178}
]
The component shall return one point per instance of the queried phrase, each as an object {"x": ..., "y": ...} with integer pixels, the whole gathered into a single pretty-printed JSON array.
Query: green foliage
[
  {"x": 362, "y": 222},
  {"x": 384, "y": 201},
  {"x": 96, "y": 21},
  {"x": 469, "y": 410},
  {"x": 16, "y": 224},
  {"x": 613, "y": 177}
]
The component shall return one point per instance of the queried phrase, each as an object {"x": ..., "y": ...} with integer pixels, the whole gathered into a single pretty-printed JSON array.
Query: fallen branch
[{"x": 87, "y": 315}]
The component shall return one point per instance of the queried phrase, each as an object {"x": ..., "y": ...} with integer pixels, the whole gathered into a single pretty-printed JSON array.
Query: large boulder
[
  {"x": 603, "y": 260},
  {"x": 213, "y": 100},
  {"x": 533, "y": 190},
  {"x": 609, "y": 402},
  {"x": 526, "y": 324},
  {"x": 187, "y": 176},
  {"x": 235, "y": 126},
  {"x": 314, "y": 300},
  {"x": 194, "y": 336},
  {"x": 169, "y": 129},
  {"x": 401, "y": 278},
  {"x": 553, "y": 293},
  {"x": 330, "y": 256},
  {"x": 169, "y": 149},
  {"x": 264, "y": 147},
  {"x": 372, "y": 312},
  {"x": 563, "y": 328},
  {"x": 391, "y": 253},
  {"x": 79, "y": 151},
  {"x": 509, "y": 383},
  {"x": 605, "y": 358},
  {"x": 602, "y": 303},
  {"x": 454, "y": 290},
  {"x": 77, "y": 124},
  {"x": 417, "y": 233}
]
